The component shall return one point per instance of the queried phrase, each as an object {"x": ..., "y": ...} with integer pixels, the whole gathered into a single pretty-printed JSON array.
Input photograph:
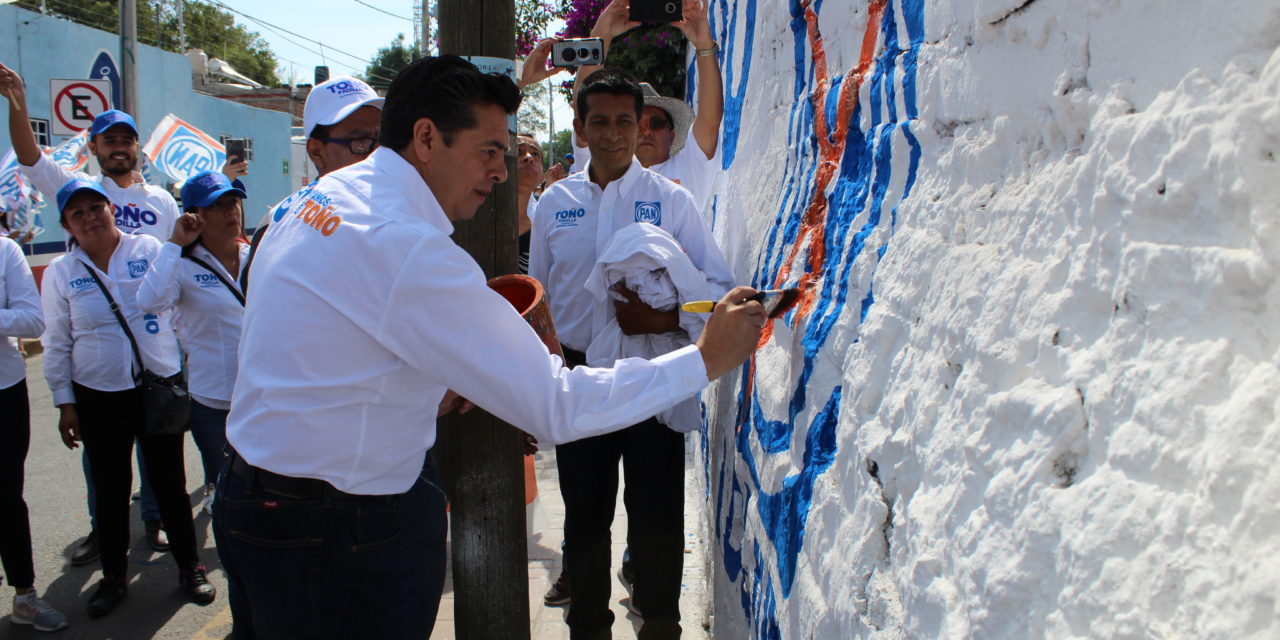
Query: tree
[
  {"x": 389, "y": 61},
  {"x": 560, "y": 144},
  {"x": 207, "y": 27},
  {"x": 532, "y": 117}
]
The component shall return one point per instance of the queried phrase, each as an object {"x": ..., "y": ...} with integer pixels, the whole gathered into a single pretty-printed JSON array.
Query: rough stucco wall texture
[{"x": 1032, "y": 390}]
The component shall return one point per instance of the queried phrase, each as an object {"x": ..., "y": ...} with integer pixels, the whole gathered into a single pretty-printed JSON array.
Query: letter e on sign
[{"x": 75, "y": 103}]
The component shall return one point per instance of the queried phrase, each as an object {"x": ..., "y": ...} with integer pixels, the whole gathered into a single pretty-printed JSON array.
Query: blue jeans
[
  {"x": 209, "y": 430},
  {"x": 149, "y": 509},
  {"x": 330, "y": 564}
]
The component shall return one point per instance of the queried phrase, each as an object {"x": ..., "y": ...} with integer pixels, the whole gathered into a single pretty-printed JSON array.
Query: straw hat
[{"x": 680, "y": 113}]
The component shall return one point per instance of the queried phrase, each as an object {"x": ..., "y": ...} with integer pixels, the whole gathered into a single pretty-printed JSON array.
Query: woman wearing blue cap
[
  {"x": 197, "y": 272},
  {"x": 95, "y": 332}
]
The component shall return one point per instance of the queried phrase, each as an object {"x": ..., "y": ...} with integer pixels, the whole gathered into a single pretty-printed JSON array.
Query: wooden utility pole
[
  {"x": 129, "y": 56},
  {"x": 483, "y": 457}
]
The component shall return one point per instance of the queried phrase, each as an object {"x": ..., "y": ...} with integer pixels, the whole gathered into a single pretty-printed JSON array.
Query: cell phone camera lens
[
  {"x": 570, "y": 55},
  {"x": 671, "y": 8},
  {"x": 584, "y": 53}
]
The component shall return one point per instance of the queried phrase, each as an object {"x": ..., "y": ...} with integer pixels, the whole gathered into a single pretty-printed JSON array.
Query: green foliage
[
  {"x": 207, "y": 27},
  {"x": 389, "y": 61},
  {"x": 655, "y": 54},
  {"x": 561, "y": 143},
  {"x": 532, "y": 116}
]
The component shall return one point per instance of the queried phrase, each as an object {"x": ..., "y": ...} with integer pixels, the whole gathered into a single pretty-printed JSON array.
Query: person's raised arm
[
  {"x": 709, "y": 112},
  {"x": 24, "y": 140},
  {"x": 535, "y": 67},
  {"x": 613, "y": 22}
]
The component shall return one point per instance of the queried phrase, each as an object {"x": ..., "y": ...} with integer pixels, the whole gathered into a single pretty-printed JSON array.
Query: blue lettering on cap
[
  {"x": 650, "y": 212},
  {"x": 343, "y": 88}
]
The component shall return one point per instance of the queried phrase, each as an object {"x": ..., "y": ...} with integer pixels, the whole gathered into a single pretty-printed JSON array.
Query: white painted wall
[{"x": 1058, "y": 418}]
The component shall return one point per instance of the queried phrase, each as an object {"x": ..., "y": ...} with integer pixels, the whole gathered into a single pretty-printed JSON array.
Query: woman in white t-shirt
[
  {"x": 197, "y": 272},
  {"x": 93, "y": 370}
]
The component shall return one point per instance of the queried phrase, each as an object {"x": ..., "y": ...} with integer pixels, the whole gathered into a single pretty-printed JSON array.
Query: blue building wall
[{"x": 42, "y": 48}]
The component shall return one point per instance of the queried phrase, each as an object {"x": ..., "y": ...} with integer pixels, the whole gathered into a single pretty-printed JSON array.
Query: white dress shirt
[
  {"x": 82, "y": 339},
  {"x": 139, "y": 208},
  {"x": 211, "y": 317},
  {"x": 20, "y": 315},
  {"x": 689, "y": 168},
  {"x": 575, "y": 221},
  {"x": 363, "y": 312}
]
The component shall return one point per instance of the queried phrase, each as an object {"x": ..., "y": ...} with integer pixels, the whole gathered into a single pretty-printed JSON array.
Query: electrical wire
[
  {"x": 277, "y": 28},
  {"x": 381, "y": 10}
]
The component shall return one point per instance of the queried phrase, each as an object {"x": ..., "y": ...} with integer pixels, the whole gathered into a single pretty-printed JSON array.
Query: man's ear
[
  {"x": 93, "y": 148},
  {"x": 313, "y": 152},
  {"x": 577, "y": 132},
  {"x": 426, "y": 140}
]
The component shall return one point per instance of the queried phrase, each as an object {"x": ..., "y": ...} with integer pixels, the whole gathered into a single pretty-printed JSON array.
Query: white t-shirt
[
  {"x": 82, "y": 339},
  {"x": 363, "y": 312},
  {"x": 20, "y": 315},
  {"x": 575, "y": 221},
  {"x": 139, "y": 208},
  {"x": 211, "y": 317}
]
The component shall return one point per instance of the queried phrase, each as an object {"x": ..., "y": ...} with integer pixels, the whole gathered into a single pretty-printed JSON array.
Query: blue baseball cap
[
  {"x": 204, "y": 188},
  {"x": 108, "y": 119},
  {"x": 79, "y": 185}
]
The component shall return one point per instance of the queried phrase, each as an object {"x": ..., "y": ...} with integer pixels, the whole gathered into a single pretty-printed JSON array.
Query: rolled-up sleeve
[{"x": 495, "y": 359}]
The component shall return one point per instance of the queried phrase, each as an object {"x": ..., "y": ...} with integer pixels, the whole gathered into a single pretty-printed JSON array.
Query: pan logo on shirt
[
  {"x": 137, "y": 268},
  {"x": 207, "y": 281},
  {"x": 131, "y": 217},
  {"x": 650, "y": 212},
  {"x": 569, "y": 217},
  {"x": 287, "y": 204}
]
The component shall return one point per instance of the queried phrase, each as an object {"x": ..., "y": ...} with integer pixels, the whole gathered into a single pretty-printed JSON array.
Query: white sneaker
[
  {"x": 207, "y": 504},
  {"x": 31, "y": 609}
]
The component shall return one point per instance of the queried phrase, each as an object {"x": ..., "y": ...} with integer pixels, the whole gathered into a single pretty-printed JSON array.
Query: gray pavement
[{"x": 55, "y": 495}]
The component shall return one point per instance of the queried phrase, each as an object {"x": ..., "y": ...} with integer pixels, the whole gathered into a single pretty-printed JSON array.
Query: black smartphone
[
  {"x": 236, "y": 148},
  {"x": 576, "y": 52},
  {"x": 656, "y": 11}
]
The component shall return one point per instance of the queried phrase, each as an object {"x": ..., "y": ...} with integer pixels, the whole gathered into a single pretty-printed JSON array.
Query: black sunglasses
[{"x": 358, "y": 146}]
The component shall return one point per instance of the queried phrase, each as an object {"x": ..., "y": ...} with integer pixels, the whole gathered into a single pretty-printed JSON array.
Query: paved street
[{"x": 155, "y": 608}]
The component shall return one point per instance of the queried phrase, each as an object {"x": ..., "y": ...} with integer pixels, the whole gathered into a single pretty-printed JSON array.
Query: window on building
[{"x": 41, "y": 129}]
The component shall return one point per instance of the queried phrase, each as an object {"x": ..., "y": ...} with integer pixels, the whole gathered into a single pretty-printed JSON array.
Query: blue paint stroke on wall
[
  {"x": 861, "y": 187},
  {"x": 736, "y": 94}
]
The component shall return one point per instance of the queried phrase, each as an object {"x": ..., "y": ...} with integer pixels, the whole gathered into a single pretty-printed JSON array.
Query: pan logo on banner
[{"x": 180, "y": 150}]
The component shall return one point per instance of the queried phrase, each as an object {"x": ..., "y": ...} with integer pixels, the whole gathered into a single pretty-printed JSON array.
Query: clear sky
[{"x": 351, "y": 32}]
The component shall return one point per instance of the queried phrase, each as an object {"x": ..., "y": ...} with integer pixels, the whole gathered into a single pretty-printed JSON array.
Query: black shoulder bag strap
[
  {"x": 119, "y": 318},
  {"x": 237, "y": 294}
]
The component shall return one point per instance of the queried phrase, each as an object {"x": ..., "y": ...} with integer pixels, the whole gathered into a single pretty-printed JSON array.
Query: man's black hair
[
  {"x": 320, "y": 131},
  {"x": 617, "y": 82},
  {"x": 446, "y": 89}
]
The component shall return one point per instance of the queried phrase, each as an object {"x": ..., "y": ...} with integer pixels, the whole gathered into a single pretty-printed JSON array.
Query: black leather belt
[
  {"x": 573, "y": 358},
  {"x": 287, "y": 486}
]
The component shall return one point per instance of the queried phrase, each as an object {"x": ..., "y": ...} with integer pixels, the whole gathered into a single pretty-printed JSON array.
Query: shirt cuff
[
  {"x": 62, "y": 396},
  {"x": 686, "y": 368}
]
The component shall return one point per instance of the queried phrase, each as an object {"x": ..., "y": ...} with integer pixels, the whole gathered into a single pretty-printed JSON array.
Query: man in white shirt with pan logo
[
  {"x": 363, "y": 316},
  {"x": 576, "y": 219}
]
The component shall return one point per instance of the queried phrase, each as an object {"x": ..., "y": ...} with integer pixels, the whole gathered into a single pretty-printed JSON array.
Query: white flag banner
[
  {"x": 74, "y": 153},
  {"x": 180, "y": 150},
  {"x": 18, "y": 199}
]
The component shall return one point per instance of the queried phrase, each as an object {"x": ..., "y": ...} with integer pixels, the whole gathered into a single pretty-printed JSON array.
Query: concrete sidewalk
[{"x": 547, "y": 623}]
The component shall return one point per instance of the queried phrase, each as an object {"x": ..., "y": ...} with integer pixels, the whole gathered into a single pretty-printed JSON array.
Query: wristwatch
[{"x": 715, "y": 46}]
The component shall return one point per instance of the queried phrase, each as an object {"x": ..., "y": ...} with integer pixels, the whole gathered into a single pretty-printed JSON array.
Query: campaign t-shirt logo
[
  {"x": 130, "y": 217},
  {"x": 650, "y": 212},
  {"x": 569, "y": 217},
  {"x": 207, "y": 281},
  {"x": 137, "y": 268},
  {"x": 82, "y": 284}
]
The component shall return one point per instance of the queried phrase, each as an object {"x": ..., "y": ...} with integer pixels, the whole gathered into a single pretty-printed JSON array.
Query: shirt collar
[
  {"x": 398, "y": 174},
  {"x": 624, "y": 183}
]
